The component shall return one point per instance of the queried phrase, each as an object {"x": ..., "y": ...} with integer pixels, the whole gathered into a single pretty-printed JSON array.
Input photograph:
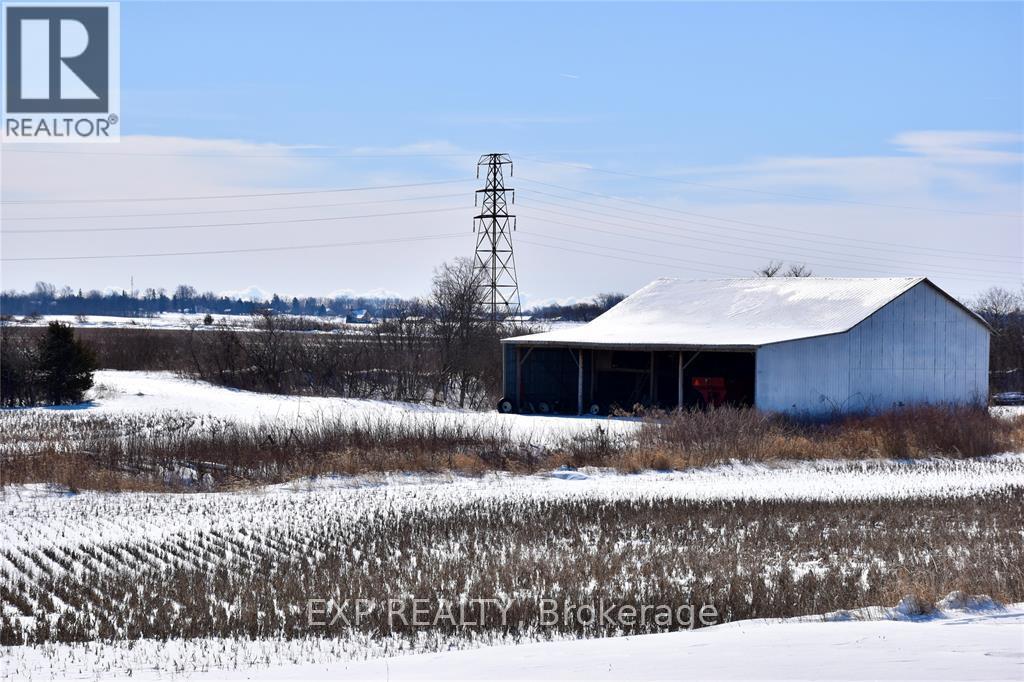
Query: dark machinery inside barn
[{"x": 552, "y": 381}]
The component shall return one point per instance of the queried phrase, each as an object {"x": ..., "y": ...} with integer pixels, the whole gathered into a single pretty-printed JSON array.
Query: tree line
[{"x": 47, "y": 299}]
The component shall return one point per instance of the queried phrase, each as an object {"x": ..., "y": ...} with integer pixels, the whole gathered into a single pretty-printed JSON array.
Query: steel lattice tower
[{"x": 495, "y": 261}]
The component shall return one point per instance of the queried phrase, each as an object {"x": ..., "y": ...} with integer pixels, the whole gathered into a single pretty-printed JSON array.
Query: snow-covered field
[
  {"x": 171, "y": 320},
  {"x": 37, "y": 517},
  {"x": 951, "y": 644},
  {"x": 133, "y": 541},
  {"x": 119, "y": 394},
  {"x": 45, "y": 533},
  {"x": 161, "y": 321},
  {"x": 957, "y": 642},
  {"x": 123, "y": 394}
]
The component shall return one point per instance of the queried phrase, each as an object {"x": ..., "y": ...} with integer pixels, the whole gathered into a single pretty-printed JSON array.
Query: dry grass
[
  {"x": 685, "y": 439},
  {"x": 172, "y": 453},
  {"x": 151, "y": 452}
]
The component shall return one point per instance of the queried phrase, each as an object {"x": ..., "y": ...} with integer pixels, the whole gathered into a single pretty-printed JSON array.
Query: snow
[
  {"x": 168, "y": 321},
  {"x": 734, "y": 312},
  {"x": 1008, "y": 411},
  {"x": 36, "y": 516},
  {"x": 954, "y": 645},
  {"x": 158, "y": 321},
  {"x": 970, "y": 638},
  {"x": 961, "y": 641},
  {"x": 119, "y": 393}
]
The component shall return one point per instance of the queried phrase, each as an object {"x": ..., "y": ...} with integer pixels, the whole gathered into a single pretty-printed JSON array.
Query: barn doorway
[{"x": 624, "y": 379}]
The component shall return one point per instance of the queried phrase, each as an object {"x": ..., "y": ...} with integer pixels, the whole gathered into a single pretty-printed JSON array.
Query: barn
[{"x": 803, "y": 345}]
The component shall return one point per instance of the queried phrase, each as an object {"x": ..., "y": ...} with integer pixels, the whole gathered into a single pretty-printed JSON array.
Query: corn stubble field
[
  {"x": 177, "y": 542},
  {"x": 241, "y": 566}
]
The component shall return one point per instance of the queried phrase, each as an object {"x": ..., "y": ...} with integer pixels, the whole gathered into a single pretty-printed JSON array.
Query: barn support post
[
  {"x": 653, "y": 397},
  {"x": 519, "y": 378},
  {"x": 593, "y": 373},
  {"x": 579, "y": 385},
  {"x": 679, "y": 388}
]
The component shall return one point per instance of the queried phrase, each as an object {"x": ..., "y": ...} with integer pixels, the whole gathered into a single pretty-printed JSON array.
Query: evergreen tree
[{"x": 66, "y": 365}]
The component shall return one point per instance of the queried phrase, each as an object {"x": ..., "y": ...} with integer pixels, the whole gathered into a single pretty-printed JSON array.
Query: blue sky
[
  {"x": 906, "y": 104},
  {"x": 701, "y": 83}
]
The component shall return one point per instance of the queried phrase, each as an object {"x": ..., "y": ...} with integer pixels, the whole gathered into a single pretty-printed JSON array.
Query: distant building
[
  {"x": 360, "y": 316},
  {"x": 806, "y": 345}
]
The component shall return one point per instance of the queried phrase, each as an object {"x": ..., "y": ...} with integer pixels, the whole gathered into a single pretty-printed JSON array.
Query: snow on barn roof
[{"x": 732, "y": 312}]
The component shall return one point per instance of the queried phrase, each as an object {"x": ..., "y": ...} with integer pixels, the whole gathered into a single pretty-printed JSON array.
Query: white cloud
[
  {"x": 377, "y": 292},
  {"x": 963, "y": 146},
  {"x": 954, "y": 171},
  {"x": 439, "y": 147},
  {"x": 250, "y": 293}
]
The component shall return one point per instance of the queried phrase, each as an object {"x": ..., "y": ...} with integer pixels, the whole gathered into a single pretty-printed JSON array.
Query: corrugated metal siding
[
  {"x": 808, "y": 375},
  {"x": 919, "y": 348}
]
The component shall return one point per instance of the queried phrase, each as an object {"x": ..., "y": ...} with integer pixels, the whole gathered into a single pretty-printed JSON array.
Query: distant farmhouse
[
  {"x": 360, "y": 316},
  {"x": 806, "y": 345}
]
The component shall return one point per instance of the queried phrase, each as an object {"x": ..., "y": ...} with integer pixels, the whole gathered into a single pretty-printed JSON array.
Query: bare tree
[
  {"x": 774, "y": 268},
  {"x": 458, "y": 322},
  {"x": 1004, "y": 311},
  {"x": 798, "y": 270}
]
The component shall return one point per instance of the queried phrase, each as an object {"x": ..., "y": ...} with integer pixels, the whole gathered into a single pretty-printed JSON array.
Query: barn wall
[
  {"x": 808, "y": 376},
  {"x": 920, "y": 348}
]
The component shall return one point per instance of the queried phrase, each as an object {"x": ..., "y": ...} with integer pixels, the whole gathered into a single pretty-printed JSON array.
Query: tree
[
  {"x": 458, "y": 326},
  {"x": 774, "y": 267},
  {"x": 45, "y": 291},
  {"x": 1004, "y": 311},
  {"x": 66, "y": 365},
  {"x": 18, "y": 362},
  {"x": 800, "y": 270}
]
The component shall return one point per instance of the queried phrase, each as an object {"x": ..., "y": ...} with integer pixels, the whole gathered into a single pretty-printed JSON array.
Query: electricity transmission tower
[{"x": 495, "y": 262}]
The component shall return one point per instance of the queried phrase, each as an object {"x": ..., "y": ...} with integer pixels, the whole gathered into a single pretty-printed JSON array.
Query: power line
[
  {"x": 606, "y": 255},
  {"x": 766, "y": 192},
  {"x": 257, "y": 223},
  {"x": 236, "y": 210},
  {"x": 732, "y": 250},
  {"x": 236, "y": 196},
  {"x": 657, "y": 264},
  {"x": 701, "y": 266},
  {"x": 765, "y": 226},
  {"x": 328, "y": 245},
  {"x": 854, "y": 258}
]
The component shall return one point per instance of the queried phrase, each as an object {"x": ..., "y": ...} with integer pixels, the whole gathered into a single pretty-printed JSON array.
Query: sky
[{"x": 692, "y": 140}]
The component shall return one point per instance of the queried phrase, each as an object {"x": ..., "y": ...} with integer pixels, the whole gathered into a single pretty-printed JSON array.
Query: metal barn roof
[{"x": 734, "y": 313}]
